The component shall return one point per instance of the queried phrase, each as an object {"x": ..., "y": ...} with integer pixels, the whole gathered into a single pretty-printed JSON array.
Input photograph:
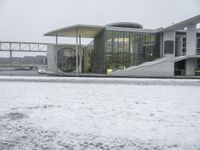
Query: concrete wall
[
  {"x": 162, "y": 69},
  {"x": 51, "y": 58},
  {"x": 191, "y": 39},
  {"x": 190, "y": 67}
]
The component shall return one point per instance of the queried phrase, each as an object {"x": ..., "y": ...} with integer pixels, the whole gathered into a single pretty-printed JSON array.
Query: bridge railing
[
  {"x": 11, "y": 47},
  {"x": 23, "y": 46}
]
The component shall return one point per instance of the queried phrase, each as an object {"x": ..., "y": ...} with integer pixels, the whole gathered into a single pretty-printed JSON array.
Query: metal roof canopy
[
  {"x": 85, "y": 31},
  {"x": 183, "y": 24}
]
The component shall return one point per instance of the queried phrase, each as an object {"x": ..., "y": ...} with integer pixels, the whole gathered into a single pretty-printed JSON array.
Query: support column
[
  {"x": 51, "y": 57},
  {"x": 56, "y": 60},
  {"x": 77, "y": 70},
  {"x": 10, "y": 56},
  {"x": 191, "y": 40},
  {"x": 190, "y": 67},
  {"x": 80, "y": 55}
]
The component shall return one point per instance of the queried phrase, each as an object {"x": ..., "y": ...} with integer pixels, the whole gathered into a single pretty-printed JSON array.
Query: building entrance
[{"x": 179, "y": 68}]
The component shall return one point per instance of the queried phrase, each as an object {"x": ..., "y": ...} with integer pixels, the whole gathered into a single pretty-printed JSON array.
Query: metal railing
[{"x": 23, "y": 46}]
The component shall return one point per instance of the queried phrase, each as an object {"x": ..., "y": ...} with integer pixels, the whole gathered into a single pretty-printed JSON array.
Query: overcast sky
[{"x": 28, "y": 20}]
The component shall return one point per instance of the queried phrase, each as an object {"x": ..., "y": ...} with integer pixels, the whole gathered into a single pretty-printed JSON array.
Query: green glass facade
[{"x": 120, "y": 49}]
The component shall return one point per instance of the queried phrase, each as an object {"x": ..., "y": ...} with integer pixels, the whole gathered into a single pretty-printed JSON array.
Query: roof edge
[
  {"x": 77, "y": 26},
  {"x": 182, "y": 24}
]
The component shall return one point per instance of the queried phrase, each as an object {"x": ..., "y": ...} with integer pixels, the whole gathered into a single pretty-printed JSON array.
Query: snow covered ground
[{"x": 100, "y": 114}]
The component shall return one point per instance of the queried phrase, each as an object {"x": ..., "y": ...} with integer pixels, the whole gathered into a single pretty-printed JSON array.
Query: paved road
[{"x": 20, "y": 73}]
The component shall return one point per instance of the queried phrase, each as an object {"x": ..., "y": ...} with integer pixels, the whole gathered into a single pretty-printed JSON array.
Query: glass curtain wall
[
  {"x": 88, "y": 58},
  {"x": 98, "y": 54},
  {"x": 119, "y": 49}
]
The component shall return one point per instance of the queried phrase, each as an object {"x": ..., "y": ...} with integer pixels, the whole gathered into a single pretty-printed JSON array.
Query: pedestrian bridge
[{"x": 23, "y": 48}]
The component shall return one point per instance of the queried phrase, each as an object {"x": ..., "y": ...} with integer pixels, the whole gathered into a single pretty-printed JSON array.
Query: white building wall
[
  {"x": 162, "y": 69},
  {"x": 191, "y": 40},
  {"x": 190, "y": 67},
  {"x": 51, "y": 58},
  {"x": 191, "y": 49}
]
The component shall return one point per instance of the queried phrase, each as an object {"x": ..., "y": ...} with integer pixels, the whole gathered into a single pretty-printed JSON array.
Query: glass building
[
  {"x": 126, "y": 49},
  {"x": 115, "y": 49}
]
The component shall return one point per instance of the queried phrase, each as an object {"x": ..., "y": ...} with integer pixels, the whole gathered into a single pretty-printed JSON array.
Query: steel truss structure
[{"x": 23, "y": 46}]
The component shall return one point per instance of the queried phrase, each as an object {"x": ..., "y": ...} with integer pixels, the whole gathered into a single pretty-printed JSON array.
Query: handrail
[{"x": 23, "y": 46}]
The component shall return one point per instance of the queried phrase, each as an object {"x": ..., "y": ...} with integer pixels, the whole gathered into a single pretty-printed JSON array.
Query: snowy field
[{"x": 99, "y": 114}]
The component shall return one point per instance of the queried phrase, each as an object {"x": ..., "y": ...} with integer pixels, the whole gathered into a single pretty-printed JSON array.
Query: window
[
  {"x": 184, "y": 46},
  {"x": 198, "y": 46},
  {"x": 198, "y": 43},
  {"x": 66, "y": 59},
  {"x": 184, "y": 42},
  {"x": 169, "y": 47}
]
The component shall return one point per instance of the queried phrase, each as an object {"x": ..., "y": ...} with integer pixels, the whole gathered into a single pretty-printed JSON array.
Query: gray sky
[{"x": 28, "y": 20}]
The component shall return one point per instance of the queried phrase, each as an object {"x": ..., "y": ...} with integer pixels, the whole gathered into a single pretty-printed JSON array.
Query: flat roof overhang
[
  {"x": 182, "y": 24},
  {"x": 77, "y": 31},
  {"x": 85, "y": 31}
]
